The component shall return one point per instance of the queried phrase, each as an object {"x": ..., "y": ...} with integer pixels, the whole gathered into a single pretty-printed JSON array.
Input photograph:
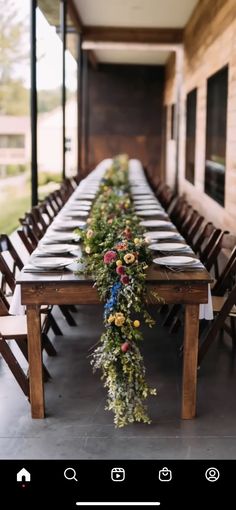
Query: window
[
  {"x": 172, "y": 125},
  {"x": 190, "y": 135},
  {"x": 217, "y": 94},
  {"x": 12, "y": 141}
]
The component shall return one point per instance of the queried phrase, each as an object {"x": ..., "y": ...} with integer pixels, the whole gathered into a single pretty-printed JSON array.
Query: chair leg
[
  {"x": 170, "y": 315},
  {"x": 22, "y": 344},
  {"x": 54, "y": 326},
  {"x": 15, "y": 367},
  {"x": 73, "y": 308},
  {"x": 70, "y": 320},
  {"x": 233, "y": 329},
  {"x": 48, "y": 346}
]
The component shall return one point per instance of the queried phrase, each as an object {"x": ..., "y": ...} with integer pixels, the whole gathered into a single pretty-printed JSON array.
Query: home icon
[{"x": 23, "y": 476}]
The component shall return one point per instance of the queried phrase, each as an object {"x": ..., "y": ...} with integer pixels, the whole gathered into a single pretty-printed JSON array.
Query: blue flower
[{"x": 112, "y": 301}]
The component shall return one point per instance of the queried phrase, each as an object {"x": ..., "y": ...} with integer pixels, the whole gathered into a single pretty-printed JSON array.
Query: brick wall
[{"x": 209, "y": 44}]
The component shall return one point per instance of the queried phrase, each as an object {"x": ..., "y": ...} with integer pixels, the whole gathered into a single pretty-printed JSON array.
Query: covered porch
[{"x": 155, "y": 81}]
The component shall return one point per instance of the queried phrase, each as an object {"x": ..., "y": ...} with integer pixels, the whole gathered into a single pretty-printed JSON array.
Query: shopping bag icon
[{"x": 165, "y": 475}]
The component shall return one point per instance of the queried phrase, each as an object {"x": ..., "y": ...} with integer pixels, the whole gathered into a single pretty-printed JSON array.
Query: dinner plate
[
  {"x": 50, "y": 263},
  {"x": 77, "y": 203},
  {"x": 144, "y": 194},
  {"x": 157, "y": 234},
  {"x": 77, "y": 209},
  {"x": 156, "y": 223},
  {"x": 176, "y": 260},
  {"x": 168, "y": 246},
  {"x": 152, "y": 212},
  {"x": 55, "y": 248},
  {"x": 147, "y": 207},
  {"x": 76, "y": 214},
  {"x": 67, "y": 225},
  {"x": 59, "y": 237},
  {"x": 86, "y": 196}
]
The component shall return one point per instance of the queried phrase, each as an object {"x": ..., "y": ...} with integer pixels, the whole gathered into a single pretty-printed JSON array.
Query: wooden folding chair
[
  {"x": 14, "y": 328},
  {"x": 10, "y": 265},
  {"x": 223, "y": 302}
]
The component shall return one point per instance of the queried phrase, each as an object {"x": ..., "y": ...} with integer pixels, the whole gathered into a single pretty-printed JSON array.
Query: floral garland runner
[{"x": 118, "y": 259}]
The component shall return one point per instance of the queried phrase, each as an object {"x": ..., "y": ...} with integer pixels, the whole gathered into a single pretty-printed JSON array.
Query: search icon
[{"x": 70, "y": 474}]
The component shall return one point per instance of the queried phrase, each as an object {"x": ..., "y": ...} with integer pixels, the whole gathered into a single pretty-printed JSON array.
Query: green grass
[
  {"x": 16, "y": 200},
  {"x": 12, "y": 208}
]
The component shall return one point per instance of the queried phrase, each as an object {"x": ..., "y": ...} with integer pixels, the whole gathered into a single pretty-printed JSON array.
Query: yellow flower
[
  {"x": 127, "y": 222},
  {"x": 89, "y": 220},
  {"x": 136, "y": 324},
  {"x": 89, "y": 233},
  {"x": 119, "y": 319},
  {"x": 129, "y": 258},
  {"x": 111, "y": 319},
  {"x": 138, "y": 241},
  {"x": 88, "y": 250},
  {"x": 119, "y": 263},
  {"x": 105, "y": 188}
]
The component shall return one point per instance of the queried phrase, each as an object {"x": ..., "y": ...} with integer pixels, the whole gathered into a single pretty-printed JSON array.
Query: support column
[
  {"x": 63, "y": 5},
  {"x": 85, "y": 112},
  {"x": 33, "y": 104},
  {"x": 79, "y": 102}
]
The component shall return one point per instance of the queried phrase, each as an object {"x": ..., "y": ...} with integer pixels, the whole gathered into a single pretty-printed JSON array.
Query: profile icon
[{"x": 212, "y": 474}]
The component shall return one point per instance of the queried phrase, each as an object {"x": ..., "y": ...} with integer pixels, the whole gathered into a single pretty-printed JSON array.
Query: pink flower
[
  {"x": 124, "y": 279},
  {"x": 120, "y": 270},
  {"x": 109, "y": 257}
]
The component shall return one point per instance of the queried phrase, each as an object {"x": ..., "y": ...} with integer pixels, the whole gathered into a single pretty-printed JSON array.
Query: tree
[{"x": 13, "y": 95}]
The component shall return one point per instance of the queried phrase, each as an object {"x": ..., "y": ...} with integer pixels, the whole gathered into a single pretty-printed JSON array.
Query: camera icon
[{"x": 165, "y": 475}]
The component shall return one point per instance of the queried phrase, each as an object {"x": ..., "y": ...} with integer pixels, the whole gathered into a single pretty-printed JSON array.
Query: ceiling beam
[
  {"x": 73, "y": 12},
  {"x": 133, "y": 35},
  {"x": 75, "y": 16}
]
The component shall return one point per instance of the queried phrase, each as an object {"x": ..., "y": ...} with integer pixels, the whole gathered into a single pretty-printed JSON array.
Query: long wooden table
[{"x": 187, "y": 288}]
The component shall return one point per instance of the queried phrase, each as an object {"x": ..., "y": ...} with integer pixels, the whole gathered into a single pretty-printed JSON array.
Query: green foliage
[
  {"x": 13, "y": 95},
  {"x": 48, "y": 100},
  {"x": 46, "y": 177},
  {"x": 118, "y": 259},
  {"x": 13, "y": 207},
  {"x": 12, "y": 170}
]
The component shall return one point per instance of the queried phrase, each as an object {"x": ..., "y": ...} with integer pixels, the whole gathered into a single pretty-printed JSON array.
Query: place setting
[
  {"x": 179, "y": 263},
  {"x": 66, "y": 225},
  {"x": 141, "y": 207},
  {"x": 152, "y": 212},
  {"x": 170, "y": 247},
  {"x": 157, "y": 223},
  {"x": 45, "y": 250},
  {"x": 162, "y": 235},
  {"x": 47, "y": 264},
  {"x": 54, "y": 237}
]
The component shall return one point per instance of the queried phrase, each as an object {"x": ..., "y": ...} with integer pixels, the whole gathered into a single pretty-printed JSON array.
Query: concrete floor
[{"x": 77, "y": 427}]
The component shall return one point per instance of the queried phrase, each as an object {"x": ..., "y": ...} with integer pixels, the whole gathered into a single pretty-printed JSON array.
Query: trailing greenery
[{"x": 117, "y": 256}]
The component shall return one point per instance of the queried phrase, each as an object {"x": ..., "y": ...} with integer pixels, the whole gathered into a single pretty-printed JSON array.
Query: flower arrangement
[{"x": 118, "y": 259}]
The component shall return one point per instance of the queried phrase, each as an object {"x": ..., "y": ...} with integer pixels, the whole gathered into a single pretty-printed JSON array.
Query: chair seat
[
  {"x": 218, "y": 302},
  {"x": 15, "y": 326}
]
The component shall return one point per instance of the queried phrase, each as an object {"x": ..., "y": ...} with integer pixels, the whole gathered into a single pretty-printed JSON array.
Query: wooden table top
[{"x": 155, "y": 274}]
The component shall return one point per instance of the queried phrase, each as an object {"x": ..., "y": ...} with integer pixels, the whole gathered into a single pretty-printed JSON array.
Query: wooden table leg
[
  {"x": 35, "y": 362},
  {"x": 191, "y": 330}
]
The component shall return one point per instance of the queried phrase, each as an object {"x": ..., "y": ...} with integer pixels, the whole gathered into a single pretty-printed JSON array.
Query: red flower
[
  {"x": 109, "y": 257},
  {"x": 125, "y": 346},
  {"x": 124, "y": 279},
  {"x": 127, "y": 233},
  {"x": 120, "y": 270},
  {"x": 121, "y": 246}
]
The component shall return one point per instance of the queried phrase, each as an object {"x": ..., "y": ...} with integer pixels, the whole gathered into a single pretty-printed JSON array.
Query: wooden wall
[
  {"x": 209, "y": 44},
  {"x": 125, "y": 106}
]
